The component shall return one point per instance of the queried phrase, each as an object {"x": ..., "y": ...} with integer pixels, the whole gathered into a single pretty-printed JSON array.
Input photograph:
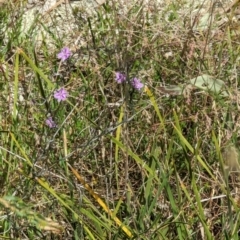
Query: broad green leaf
[{"x": 209, "y": 83}]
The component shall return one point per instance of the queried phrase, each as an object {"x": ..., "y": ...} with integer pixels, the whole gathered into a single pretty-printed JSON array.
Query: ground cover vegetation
[{"x": 125, "y": 127}]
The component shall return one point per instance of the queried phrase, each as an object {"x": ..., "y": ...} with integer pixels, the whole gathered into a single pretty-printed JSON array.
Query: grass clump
[{"x": 125, "y": 128}]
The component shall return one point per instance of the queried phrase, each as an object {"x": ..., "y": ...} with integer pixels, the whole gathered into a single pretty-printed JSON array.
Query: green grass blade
[
  {"x": 21, "y": 150},
  {"x": 188, "y": 145},
  {"x": 16, "y": 80},
  {"x": 36, "y": 69},
  {"x": 135, "y": 157},
  {"x": 156, "y": 108},
  {"x": 45, "y": 185}
]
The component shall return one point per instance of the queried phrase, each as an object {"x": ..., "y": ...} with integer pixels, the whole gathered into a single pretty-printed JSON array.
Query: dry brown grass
[{"x": 165, "y": 175}]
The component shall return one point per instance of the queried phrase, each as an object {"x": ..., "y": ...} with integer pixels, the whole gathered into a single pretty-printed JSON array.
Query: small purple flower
[
  {"x": 49, "y": 121},
  {"x": 64, "y": 54},
  {"x": 61, "y": 94},
  {"x": 120, "y": 77},
  {"x": 136, "y": 83}
]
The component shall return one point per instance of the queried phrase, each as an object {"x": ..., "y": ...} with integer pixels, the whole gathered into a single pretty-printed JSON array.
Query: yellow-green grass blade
[
  {"x": 188, "y": 145},
  {"x": 21, "y": 150},
  {"x": 145, "y": 167},
  {"x": 45, "y": 185},
  {"x": 118, "y": 135},
  {"x": 36, "y": 69},
  {"x": 156, "y": 108},
  {"x": 16, "y": 80},
  {"x": 101, "y": 202}
]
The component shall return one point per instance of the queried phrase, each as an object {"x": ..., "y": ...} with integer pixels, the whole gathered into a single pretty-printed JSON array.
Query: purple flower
[
  {"x": 64, "y": 54},
  {"x": 120, "y": 77},
  {"x": 136, "y": 83},
  {"x": 61, "y": 94},
  {"x": 49, "y": 121}
]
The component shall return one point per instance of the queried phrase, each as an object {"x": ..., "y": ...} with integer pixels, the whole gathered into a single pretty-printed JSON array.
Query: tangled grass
[{"x": 119, "y": 163}]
